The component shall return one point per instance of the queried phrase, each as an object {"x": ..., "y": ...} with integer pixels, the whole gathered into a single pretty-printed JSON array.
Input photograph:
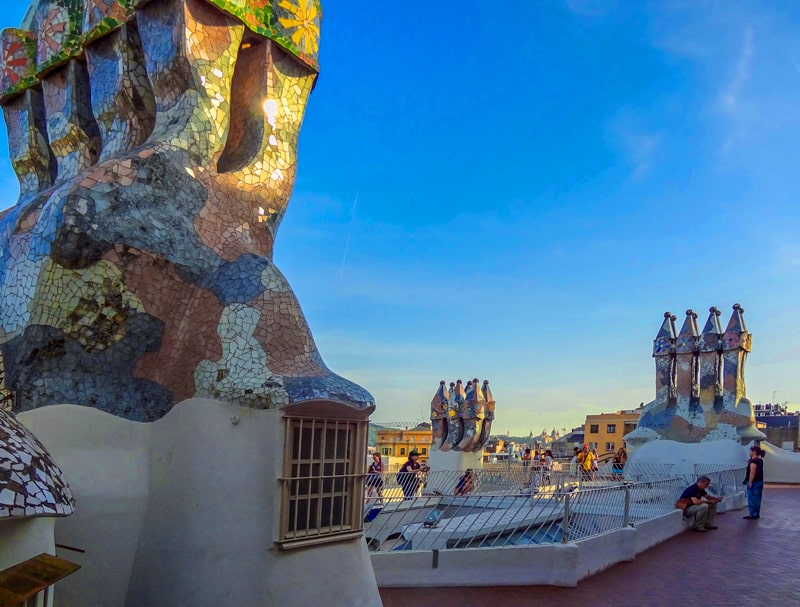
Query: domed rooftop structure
[{"x": 30, "y": 483}]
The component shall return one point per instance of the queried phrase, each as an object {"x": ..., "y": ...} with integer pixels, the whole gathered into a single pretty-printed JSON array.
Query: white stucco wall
[
  {"x": 184, "y": 511},
  {"x": 23, "y": 539},
  {"x": 780, "y": 466}
]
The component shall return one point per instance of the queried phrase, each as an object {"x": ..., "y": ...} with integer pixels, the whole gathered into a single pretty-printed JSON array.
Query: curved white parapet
[
  {"x": 185, "y": 510},
  {"x": 780, "y": 465}
]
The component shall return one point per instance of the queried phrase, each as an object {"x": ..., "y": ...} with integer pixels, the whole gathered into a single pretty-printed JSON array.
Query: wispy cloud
[
  {"x": 639, "y": 145},
  {"x": 731, "y": 97}
]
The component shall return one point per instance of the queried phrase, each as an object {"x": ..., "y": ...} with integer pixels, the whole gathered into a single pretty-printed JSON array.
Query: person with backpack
[{"x": 408, "y": 477}]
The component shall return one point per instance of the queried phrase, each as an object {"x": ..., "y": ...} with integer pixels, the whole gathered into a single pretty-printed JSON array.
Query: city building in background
[
  {"x": 395, "y": 443},
  {"x": 604, "y": 431},
  {"x": 781, "y": 426}
]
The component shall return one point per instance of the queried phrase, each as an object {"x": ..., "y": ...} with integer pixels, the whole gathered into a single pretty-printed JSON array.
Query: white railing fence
[{"x": 523, "y": 506}]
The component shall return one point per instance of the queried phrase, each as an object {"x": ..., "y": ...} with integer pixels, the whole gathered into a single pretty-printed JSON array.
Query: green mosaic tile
[{"x": 103, "y": 16}]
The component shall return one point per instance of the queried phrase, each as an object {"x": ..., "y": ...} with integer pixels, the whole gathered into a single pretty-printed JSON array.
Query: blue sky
[{"x": 520, "y": 194}]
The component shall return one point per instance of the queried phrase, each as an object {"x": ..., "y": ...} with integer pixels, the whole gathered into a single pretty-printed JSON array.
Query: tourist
[
  {"x": 586, "y": 461},
  {"x": 574, "y": 463},
  {"x": 526, "y": 458},
  {"x": 466, "y": 483},
  {"x": 409, "y": 475},
  {"x": 755, "y": 482},
  {"x": 548, "y": 465},
  {"x": 375, "y": 476},
  {"x": 702, "y": 507},
  {"x": 618, "y": 463}
]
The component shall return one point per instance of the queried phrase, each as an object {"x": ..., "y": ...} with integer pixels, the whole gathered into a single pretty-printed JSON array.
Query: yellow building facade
[
  {"x": 396, "y": 444},
  {"x": 604, "y": 431}
]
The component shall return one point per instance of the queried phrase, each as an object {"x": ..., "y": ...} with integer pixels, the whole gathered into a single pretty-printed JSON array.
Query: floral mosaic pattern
[
  {"x": 19, "y": 61},
  {"x": 30, "y": 483},
  {"x": 58, "y": 32},
  {"x": 136, "y": 267},
  {"x": 700, "y": 387}
]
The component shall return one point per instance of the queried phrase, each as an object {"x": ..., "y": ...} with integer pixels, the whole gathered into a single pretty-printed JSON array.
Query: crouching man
[{"x": 701, "y": 508}]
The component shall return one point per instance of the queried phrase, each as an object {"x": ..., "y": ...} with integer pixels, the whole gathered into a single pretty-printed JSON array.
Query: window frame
[
  {"x": 611, "y": 428},
  {"x": 594, "y": 428},
  {"x": 333, "y": 485}
]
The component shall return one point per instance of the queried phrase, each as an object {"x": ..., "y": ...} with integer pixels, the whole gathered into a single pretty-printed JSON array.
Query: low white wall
[
  {"x": 653, "y": 532},
  {"x": 600, "y": 552},
  {"x": 23, "y": 539},
  {"x": 551, "y": 564},
  {"x": 547, "y": 564}
]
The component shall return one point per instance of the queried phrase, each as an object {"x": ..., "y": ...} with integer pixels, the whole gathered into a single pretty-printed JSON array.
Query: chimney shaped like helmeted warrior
[
  {"x": 472, "y": 415},
  {"x": 455, "y": 425},
  {"x": 711, "y": 363},
  {"x": 686, "y": 364},
  {"x": 736, "y": 408},
  {"x": 664, "y": 353},
  {"x": 439, "y": 405}
]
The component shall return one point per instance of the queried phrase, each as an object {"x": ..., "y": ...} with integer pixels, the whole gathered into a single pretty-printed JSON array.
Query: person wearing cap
[{"x": 408, "y": 476}]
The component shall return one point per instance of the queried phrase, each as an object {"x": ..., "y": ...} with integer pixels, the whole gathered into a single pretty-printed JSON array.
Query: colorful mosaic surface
[
  {"x": 30, "y": 483},
  {"x": 700, "y": 388},
  {"x": 62, "y": 28},
  {"x": 461, "y": 418},
  {"x": 155, "y": 169}
]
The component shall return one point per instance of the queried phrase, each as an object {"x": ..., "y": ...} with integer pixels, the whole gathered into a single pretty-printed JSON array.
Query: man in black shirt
[{"x": 703, "y": 507}]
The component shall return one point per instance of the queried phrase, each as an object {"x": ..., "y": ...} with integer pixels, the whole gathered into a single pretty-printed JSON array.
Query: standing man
[
  {"x": 703, "y": 507},
  {"x": 408, "y": 476}
]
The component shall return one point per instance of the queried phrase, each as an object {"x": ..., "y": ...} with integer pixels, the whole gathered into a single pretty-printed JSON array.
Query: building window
[
  {"x": 592, "y": 446},
  {"x": 386, "y": 450},
  {"x": 610, "y": 448},
  {"x": 402, "y": 450},
  {"x": 424, "y": 451},
  {"x": 594, "y": 428},
  {"x": 323, "y": 480},
  {"x": 612, "y": 429}
]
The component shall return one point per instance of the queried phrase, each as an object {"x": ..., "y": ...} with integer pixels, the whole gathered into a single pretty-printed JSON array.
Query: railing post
[
  {"x": 626, "y": 517},
  {"x": 565, "y": 521}
]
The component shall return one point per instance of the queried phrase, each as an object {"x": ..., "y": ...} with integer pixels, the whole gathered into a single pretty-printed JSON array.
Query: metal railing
[{"x": 525, "y": 506}]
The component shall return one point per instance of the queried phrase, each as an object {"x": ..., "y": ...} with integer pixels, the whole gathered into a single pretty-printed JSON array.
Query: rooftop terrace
[{"x": 743, "y": 563}]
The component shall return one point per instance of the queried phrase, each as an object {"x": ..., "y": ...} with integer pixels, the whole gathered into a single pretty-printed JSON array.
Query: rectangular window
[
  {"x": 612, "y": 429},
  {"x": 402, "y": 450},
  {"x": 592, "y": 446},
  {"x": 323, "y": 480},
  {"x": 594, "y": 428},
  {"x": 424, "y": 451},
  {"x": 610, "y": 448},
  {"x": 386, "y": 450}
]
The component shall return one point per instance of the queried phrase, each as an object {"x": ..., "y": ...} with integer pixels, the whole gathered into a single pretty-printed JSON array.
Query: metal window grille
[{"x": 323, "y": 478}]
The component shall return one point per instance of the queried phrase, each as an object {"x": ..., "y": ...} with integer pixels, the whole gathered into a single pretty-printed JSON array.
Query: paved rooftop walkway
[{"x": 742, "y": 564}]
